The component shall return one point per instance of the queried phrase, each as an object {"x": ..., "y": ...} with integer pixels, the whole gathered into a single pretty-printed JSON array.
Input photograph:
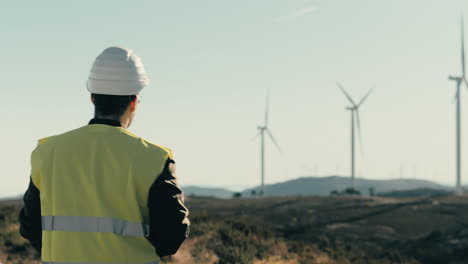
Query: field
[{"x": 290, "y": 230}]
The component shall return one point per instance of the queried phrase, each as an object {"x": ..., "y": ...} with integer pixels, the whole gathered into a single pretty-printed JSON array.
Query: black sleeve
[
  {"x": 30, "y": 217},
  {"x": 169, "y": 224}
]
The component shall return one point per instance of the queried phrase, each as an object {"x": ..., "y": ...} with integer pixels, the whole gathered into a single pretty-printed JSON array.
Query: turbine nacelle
[{"x": 453, "y": 78}]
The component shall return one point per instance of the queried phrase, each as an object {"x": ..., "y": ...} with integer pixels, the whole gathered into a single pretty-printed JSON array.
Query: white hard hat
[{"x": 117, "y": 71}]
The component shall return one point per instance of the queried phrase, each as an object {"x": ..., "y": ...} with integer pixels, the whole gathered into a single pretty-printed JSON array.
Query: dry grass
[{"x": 304, "y": 230}]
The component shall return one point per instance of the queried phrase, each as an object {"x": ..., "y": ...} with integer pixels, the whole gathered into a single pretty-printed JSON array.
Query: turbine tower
[
  {"x": 459, "y": 80},
  {"x": 354, "y": 109},
  {"x": 262, "y": 129}
]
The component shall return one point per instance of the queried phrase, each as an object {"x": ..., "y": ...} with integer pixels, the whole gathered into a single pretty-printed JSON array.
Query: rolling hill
[
  {"x": 320, "y": 186},
  {"x": 207, "y": 191},
  {"x": 324, "y": 185}
]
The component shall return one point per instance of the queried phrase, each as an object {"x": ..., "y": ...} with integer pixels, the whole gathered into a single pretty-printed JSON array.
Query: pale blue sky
[{"x": 210, "y": 63}]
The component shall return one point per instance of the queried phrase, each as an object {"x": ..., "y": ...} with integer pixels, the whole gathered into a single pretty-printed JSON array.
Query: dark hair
[{"x": 111, "y": 105}]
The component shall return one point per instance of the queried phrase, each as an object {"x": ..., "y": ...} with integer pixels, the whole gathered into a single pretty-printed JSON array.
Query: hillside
[
  {"x": 327, "y": 230},
  {"x": 207, "y": 191},
  {"x": 325, "y": 185},
  {"x": 304, "y": 230},
  {"x": 416, "y": 193}
]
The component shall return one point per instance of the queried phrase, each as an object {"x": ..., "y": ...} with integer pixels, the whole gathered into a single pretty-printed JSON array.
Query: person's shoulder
[
  {"x": 44, "y": 145},
  {"x": 150, "y": 146},
  {"x": 51, "y": 141}
]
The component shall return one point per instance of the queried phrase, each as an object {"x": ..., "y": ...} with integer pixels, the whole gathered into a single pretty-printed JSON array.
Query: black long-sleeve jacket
[{"x": 169, "y": 223}]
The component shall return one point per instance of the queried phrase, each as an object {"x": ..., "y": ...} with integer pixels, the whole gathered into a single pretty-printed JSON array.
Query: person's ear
[{"x": 133, "y": 104}]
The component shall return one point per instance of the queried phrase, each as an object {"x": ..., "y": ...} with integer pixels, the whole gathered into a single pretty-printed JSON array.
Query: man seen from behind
[{"x": 100, "y": 194}]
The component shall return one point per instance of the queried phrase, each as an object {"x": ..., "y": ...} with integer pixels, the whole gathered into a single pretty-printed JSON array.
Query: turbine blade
[
  {"x": 358, "y": 122},
  {"x": 274, "y": 140},
  {"x": 266, "y": 108},
  {"x": 256, "y": 136},
  {"x": 466, "y": 82},
  {"x": 463, "y": 48},
  {"x": 345, "y": 93},
  {"x": 365, "y": 97}
]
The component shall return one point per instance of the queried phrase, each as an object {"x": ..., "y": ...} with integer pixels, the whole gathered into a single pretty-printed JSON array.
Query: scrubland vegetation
[{"x": 287, "y": 230}]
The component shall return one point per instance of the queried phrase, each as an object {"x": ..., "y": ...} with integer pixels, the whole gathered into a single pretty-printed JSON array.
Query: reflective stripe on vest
[
  {"x": 94, "y": 224},
  {"x": 49, "y": 262}
]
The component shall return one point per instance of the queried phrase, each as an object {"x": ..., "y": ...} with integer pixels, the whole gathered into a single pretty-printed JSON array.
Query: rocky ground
[{"x": 290, "y": 230}]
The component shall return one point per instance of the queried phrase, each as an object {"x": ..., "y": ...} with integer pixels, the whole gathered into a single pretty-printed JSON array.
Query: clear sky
[{"x": 210, "y": 63}]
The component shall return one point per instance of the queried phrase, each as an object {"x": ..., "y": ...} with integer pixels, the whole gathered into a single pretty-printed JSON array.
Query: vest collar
[{"x": 108, "y": 122}]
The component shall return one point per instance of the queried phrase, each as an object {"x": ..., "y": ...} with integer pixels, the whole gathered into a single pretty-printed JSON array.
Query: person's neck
[{"x": 123, "y": 119}]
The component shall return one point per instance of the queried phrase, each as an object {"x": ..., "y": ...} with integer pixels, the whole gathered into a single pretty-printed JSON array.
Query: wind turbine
[
  {"x": 459, "y": 81},
  {"x": 262, "y": 129},
  {"x": 354, "y": 109}
]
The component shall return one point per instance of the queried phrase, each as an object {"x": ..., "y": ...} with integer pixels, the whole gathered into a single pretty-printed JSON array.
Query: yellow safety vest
[{"x": 94, "y": 183}]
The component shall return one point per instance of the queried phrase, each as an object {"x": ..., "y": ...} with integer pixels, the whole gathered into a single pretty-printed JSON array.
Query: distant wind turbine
[
  {"x": 459, "y": 81},
  {"x": 354, "y": 109},
  {"x": 261, "y": 132}
]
